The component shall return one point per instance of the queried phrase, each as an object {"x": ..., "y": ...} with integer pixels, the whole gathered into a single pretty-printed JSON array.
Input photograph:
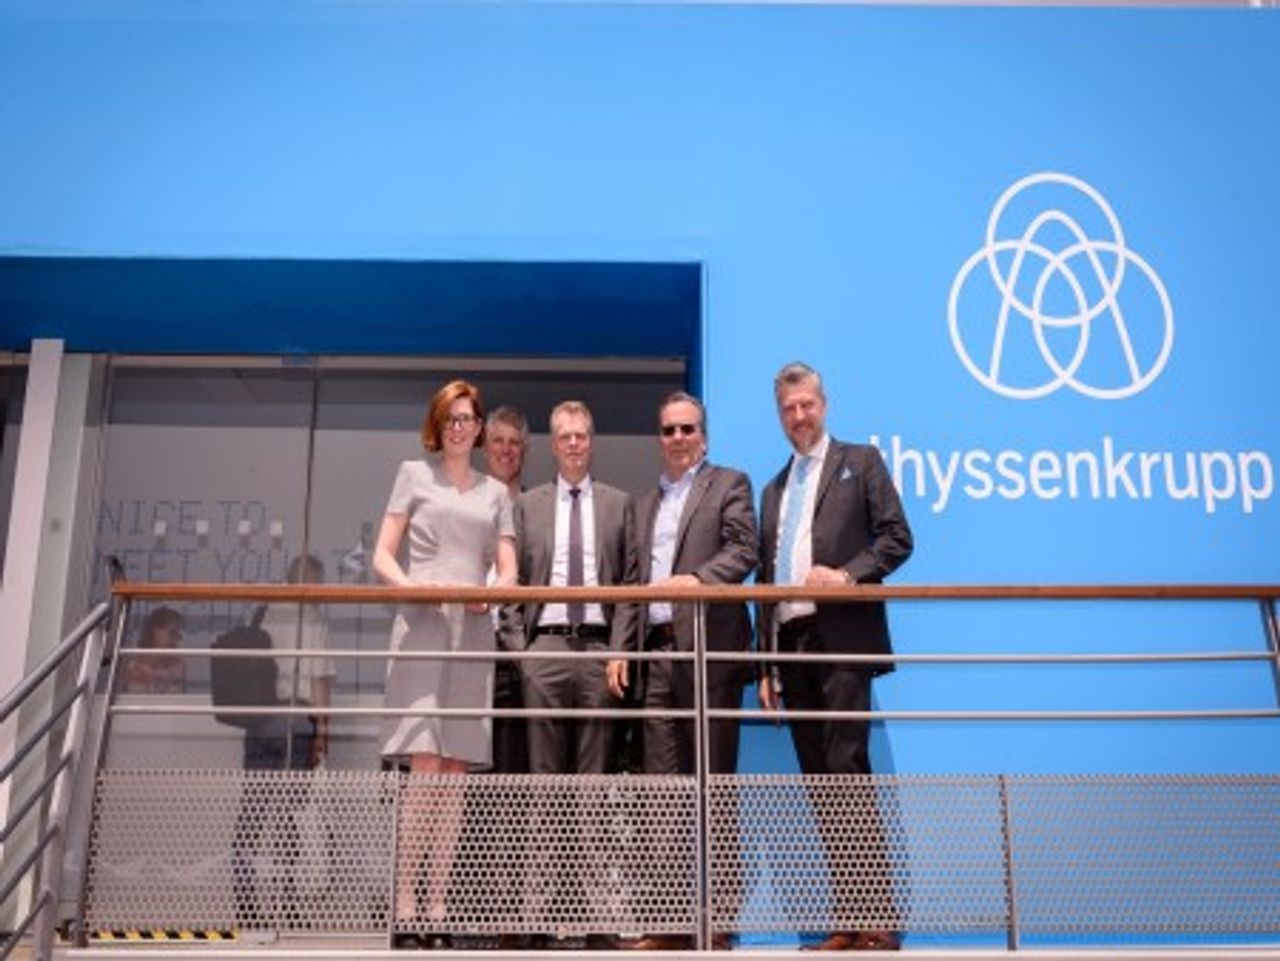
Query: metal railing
[
  {"x": 714, "y": 794},
  {"x": 47, "y": 805}
]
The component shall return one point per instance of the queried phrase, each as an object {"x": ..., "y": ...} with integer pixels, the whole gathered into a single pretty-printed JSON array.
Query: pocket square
[{"x": 846, "y": 472}]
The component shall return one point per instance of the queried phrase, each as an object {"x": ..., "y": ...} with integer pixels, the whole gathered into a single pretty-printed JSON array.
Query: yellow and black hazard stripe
[{"x": 135, "y": 935}]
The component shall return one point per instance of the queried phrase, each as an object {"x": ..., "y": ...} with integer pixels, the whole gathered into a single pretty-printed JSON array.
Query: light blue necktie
[{"x": 791, "y": 520}]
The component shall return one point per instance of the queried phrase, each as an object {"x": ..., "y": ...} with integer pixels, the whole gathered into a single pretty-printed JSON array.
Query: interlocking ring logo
[{"x": 1066, "y": 288}]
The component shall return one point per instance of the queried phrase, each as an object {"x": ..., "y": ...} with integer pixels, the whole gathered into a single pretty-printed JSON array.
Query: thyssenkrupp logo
[{"x": 1056, "y": 307}]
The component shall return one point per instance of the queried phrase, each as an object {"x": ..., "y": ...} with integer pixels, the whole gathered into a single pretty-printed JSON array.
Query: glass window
[{"x": 230, "y": 472}]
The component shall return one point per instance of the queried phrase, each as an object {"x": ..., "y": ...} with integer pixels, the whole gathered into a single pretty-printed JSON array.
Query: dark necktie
[{"x": 575, "y": 552}]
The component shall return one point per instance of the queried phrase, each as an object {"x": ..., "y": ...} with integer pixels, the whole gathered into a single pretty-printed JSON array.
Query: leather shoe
[
  {"x": 513, "y": 942},
  {"x": 600, "y": 942},
  {"x": 721, "y": 942},
  {"x": 662, "y": 942},
  {"x": 838, "y": 941},
  {"x": 877, "y": 941}
]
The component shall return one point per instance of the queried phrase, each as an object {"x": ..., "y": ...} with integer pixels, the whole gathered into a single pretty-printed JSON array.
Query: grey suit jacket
[
  {"x": 716, "y": 542},
  {"x": 858, "y": 525},
  {"x": 534, "y": 514}
]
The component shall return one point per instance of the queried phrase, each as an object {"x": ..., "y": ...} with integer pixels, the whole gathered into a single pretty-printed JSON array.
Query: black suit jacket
[
  {"x": 716, "y": 542},
  {"x": 534, "y": 515},
  {"x": 859, "y": 526}
]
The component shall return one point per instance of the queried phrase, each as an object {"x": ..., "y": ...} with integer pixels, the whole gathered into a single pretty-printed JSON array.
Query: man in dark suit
[
  {"x": 832, "y": 517},
  {"x": 697, "y": 526}
]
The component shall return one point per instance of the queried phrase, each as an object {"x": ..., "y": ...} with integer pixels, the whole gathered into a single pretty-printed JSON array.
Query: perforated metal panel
[
  {"x": 856, "y": 853},
  {"x": 1151, "y": 854},
  {"x": 317, "y": 852},
  {"x": 289, "y": 850},
  {"x": 555, "y": 855},
  {"x": 311, "y": 852}
]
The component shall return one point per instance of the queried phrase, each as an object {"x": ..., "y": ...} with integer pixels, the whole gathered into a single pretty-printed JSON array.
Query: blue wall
[{"x": 833, "y": 169}]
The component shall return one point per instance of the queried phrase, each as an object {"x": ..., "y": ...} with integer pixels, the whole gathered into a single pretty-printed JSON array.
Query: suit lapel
[
  {"x": 547, "y": 507},
  {"x": 834, "y": 460},
  {"x": 598, "y": 508},
  {"x": 701, "y": 481},
  {"x": 769, "y": 504},
  {"x": 773, "y": 499},
  {"x": 646, "y": 512},
  {"x": 540, "y": 529}
]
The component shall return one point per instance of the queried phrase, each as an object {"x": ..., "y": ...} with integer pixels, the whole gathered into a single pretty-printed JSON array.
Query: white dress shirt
[
  {"x": 558, "y": 614},
  {"x": 666, "y": 524},
  {"x": 802, "y": 549}
]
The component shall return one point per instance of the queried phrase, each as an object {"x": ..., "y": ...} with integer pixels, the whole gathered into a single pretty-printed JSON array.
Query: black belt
[
  {"x": 660, "y": 636},
  {"x": 798, "y": 626},
  {"x": 582, "y": 630}
]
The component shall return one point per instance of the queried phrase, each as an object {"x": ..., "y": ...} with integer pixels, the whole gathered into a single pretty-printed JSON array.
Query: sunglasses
[{"x": 687, "y": 430}]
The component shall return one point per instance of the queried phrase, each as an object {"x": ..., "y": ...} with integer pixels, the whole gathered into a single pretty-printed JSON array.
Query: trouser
[
  {"x": 510, "y": 734},
  {"x": 567, "y": 745},
  {"x": 850, "y": 824},
  {"x": 669, "y": 748},
  {"x": 569, "y": 863}
]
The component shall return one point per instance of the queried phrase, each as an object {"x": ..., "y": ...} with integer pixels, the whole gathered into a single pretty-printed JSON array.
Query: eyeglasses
[
  {"x": 460, "y": 420},
  {"x": 686, "y": 430}
]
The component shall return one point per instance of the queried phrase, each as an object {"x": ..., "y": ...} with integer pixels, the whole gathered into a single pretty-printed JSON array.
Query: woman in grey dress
[{"x": 458, "y": 525}]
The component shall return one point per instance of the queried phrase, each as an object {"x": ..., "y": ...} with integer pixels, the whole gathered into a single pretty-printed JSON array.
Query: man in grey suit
[
  {"x": 698, "y": 526},
  {"x": 832, "y": 516},
  {"x": 571, "y": 531},
  {"x": 574, "y": 531}
]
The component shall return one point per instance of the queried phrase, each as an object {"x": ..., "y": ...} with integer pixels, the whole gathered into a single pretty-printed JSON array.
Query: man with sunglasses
[{"x": 696, "y": 526}]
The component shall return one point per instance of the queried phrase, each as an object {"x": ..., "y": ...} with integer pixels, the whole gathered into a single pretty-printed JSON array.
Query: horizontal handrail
[
  {"x": 289, "y": 653},
  {"x": 615, "y": 713},
  {"x": 168, "y": 708},
  {"x": 713, "y": 593},
  {"x": 281, "y": 653}
]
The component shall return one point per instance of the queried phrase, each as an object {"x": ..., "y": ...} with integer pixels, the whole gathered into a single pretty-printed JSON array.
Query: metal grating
[
  {"x": 195, "y": 849},
  {"x": 836, "y": 853},
  {"x": 567, "y": 856},
  {"x": 1172, "y": 855},
  {"x": 313, "y": 851},
  {"x": 330, "y": 851}
]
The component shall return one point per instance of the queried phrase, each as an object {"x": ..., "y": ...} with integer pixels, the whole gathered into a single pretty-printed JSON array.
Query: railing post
[
  {"x": 1272, "y": 628},
  {"x": 399, "y": 786},
  {"x": 1010, "y": 884},
  {"x": 117, "y": 625},
  {"x": 702, "y": 766},
  {"x": 60, "y": 801}
]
